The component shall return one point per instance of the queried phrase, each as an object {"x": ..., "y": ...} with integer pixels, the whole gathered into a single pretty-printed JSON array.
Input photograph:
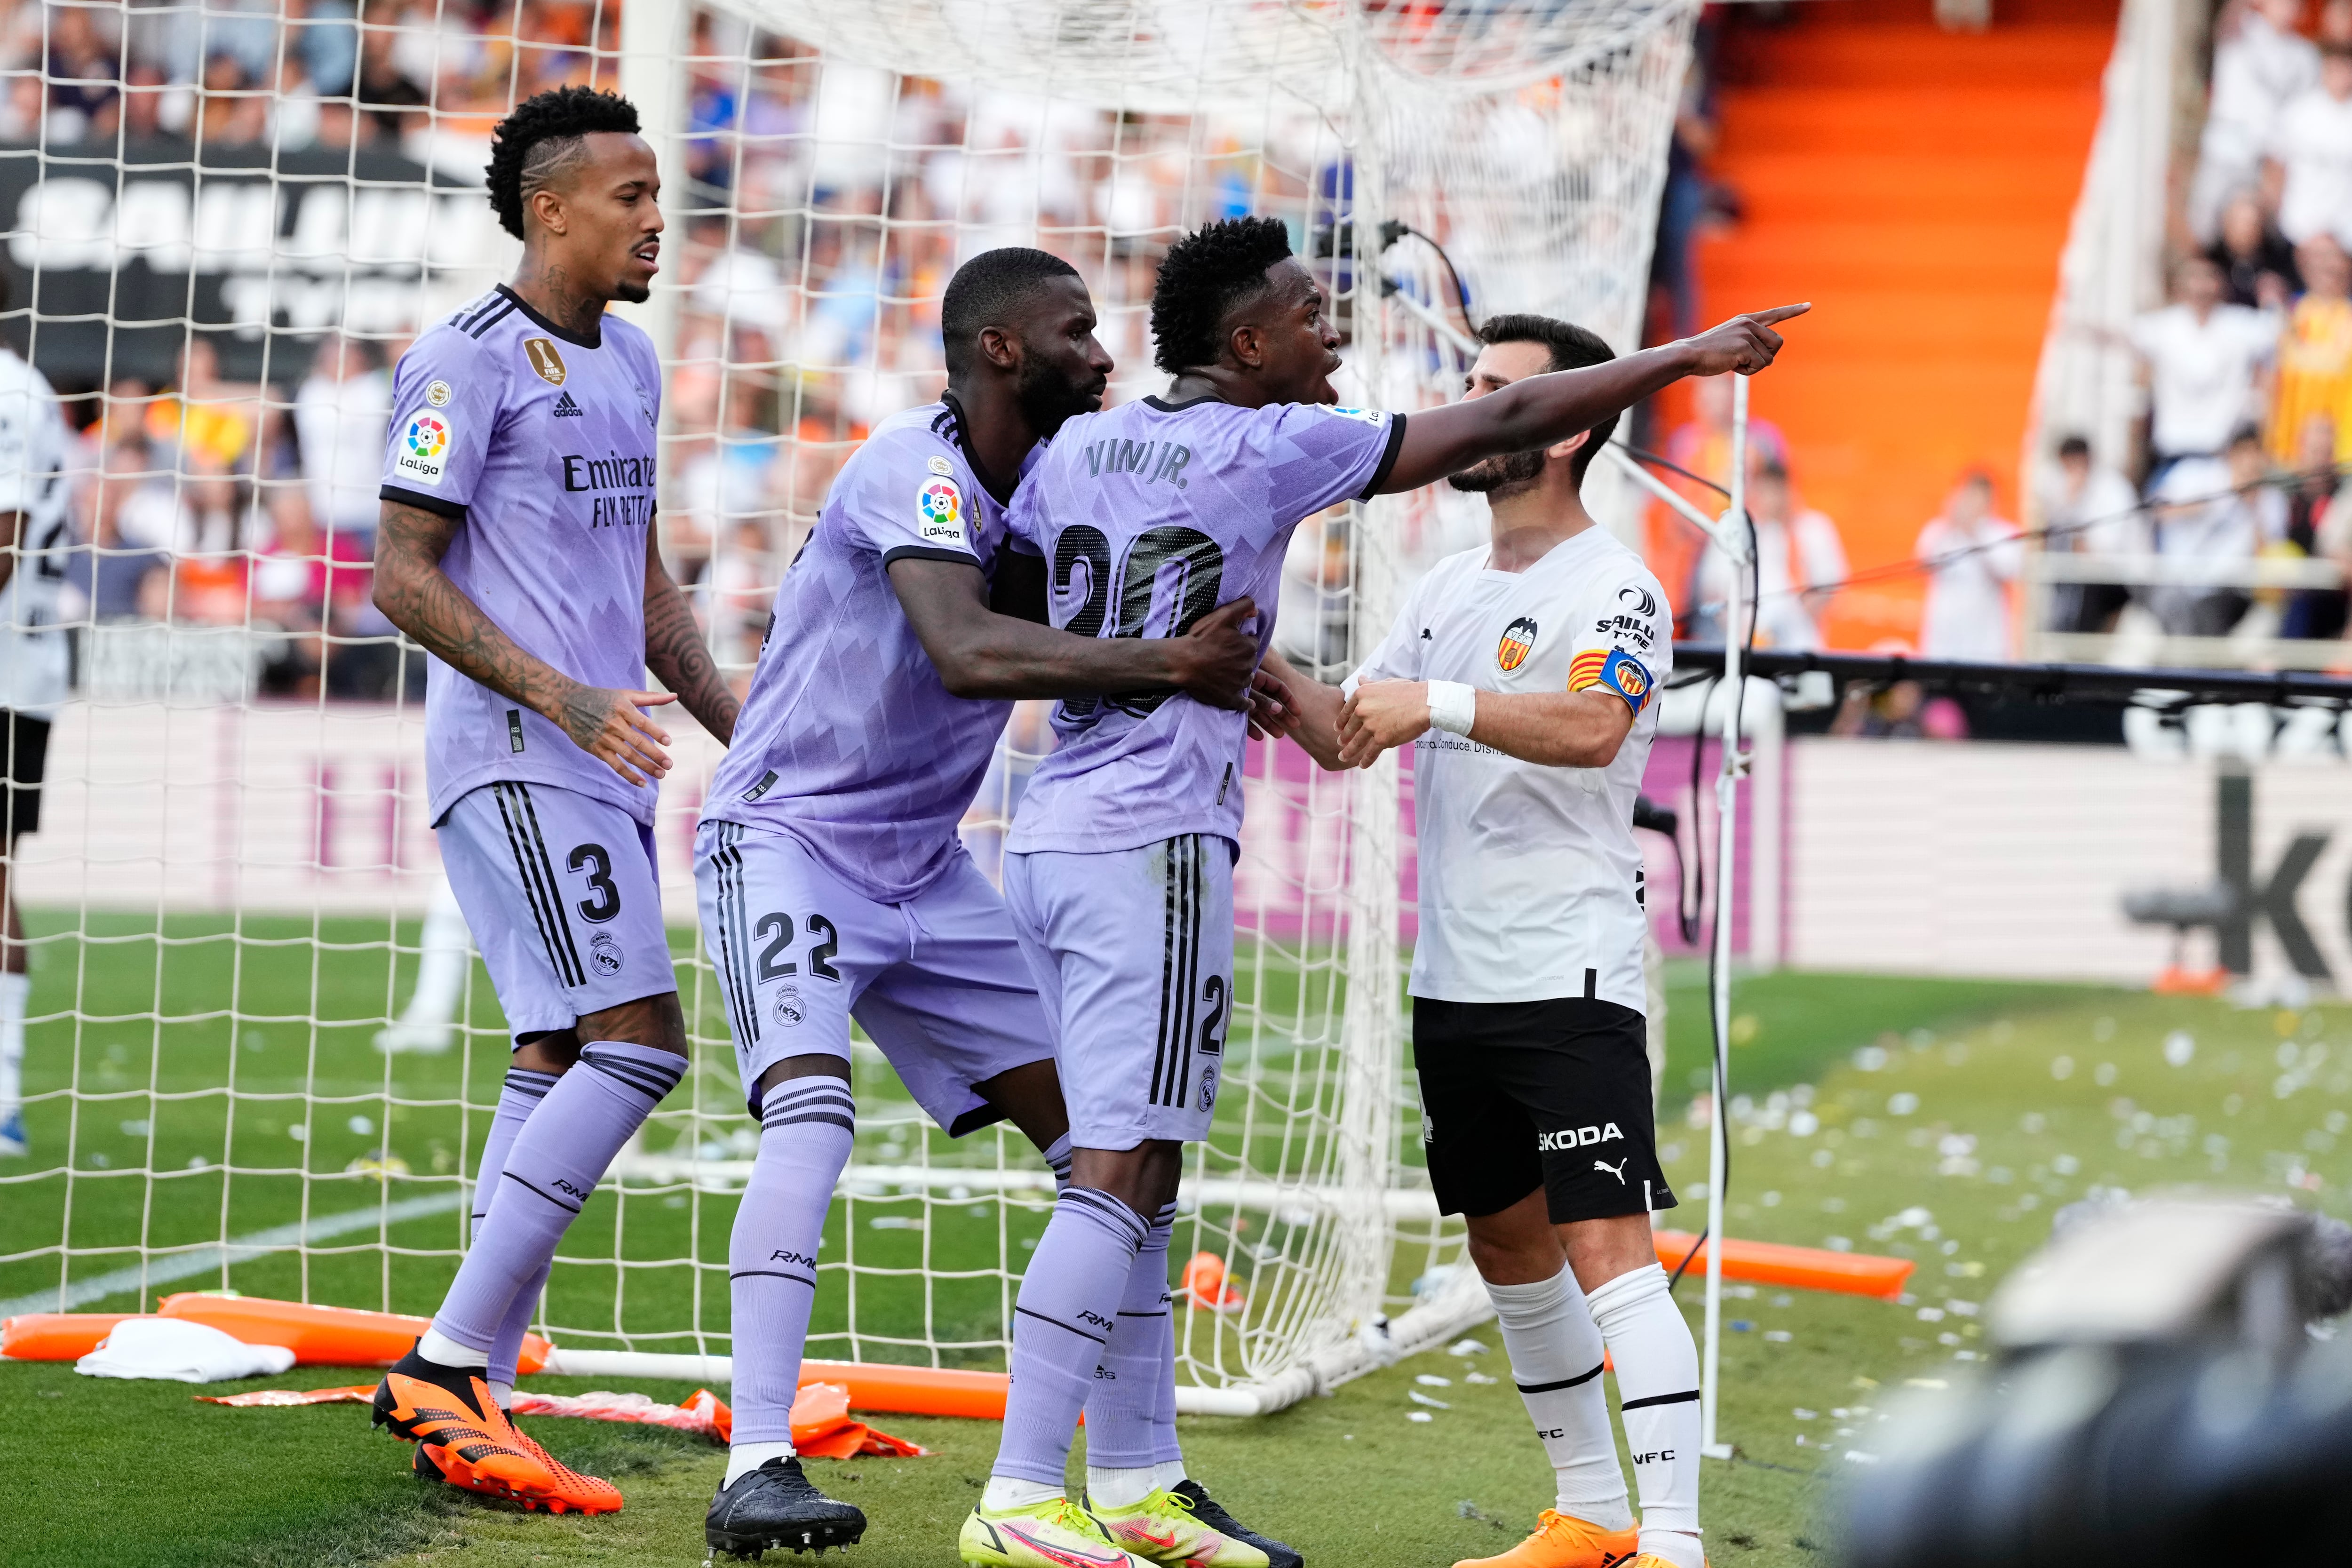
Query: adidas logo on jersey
[{"x": 567, "y": 409}]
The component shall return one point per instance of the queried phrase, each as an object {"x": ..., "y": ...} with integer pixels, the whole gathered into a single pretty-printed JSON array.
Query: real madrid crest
[{"x": 1519, "y": 641}]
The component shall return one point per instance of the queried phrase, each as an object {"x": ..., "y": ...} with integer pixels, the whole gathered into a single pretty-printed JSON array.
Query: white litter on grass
[
  {"x": 1418, "y": 1397},
  {"x": 177, "y": 1351},
  {"x": 1419, "y": 1416},
  {"x": 1431, "y": 1380},
  {"x": 1779, "y": 1336},
  {"x": 1481, "y": 1377},
  {"x": 1466, "y": 1347},
  {"x": 2180, "y": 1047},
  {"x": 894, "y": 1222},
  {"x": 1802, "y": 1414}
]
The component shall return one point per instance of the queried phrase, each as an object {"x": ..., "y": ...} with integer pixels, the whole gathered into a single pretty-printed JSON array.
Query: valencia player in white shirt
[{"x": 1522, "y": 673}]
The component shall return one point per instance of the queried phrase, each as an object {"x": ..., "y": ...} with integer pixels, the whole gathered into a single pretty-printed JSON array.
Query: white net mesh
[{"x": 221, "y": 226}]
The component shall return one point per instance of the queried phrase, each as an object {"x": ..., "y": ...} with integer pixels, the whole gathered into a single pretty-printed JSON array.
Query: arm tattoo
[
  {"x": 418, "y": 597},
  {"x": 681, "y": 660}
]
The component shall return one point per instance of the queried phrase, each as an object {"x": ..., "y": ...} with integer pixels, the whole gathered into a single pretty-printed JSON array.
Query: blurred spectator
[
  {"x": 2314, "y": 353},
  {"x": 1972, "y": 556},
  {"x": 2204, "y": 360},
  {"x": 141, "y": 523},
  {"x": 2200, "y": 517},
  {"x": 2261, "y": 62},
  {"x": 85, "y": 101},
  {"x": 341, "y": 414},
  {"x": 327, "y": 38},
  {"x": 1881, "y": 712},
  {"x": 2087, "y": 509},
  {"x": 1800, "y": 561},
  {"x": 390, "y": 102},
  {"x": 2310, "y": 150},
  {"x": 235, "y": 112},
  {"x": 2257, "y": 263}
]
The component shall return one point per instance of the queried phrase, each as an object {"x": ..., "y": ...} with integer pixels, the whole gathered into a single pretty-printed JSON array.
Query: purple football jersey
[
  {"x": 849, "y": 741},
  {"x": 543, "y": 443},
  {"x": 1150, "y": 515}
]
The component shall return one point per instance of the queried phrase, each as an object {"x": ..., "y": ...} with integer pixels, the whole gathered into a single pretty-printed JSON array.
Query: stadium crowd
[
  {"x": 2249, "y": 365},
  {"x": 220, "y": 502}
]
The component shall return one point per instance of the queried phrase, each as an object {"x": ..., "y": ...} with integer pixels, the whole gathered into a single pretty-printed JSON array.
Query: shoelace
[{"x": 1073, "y": 1518}]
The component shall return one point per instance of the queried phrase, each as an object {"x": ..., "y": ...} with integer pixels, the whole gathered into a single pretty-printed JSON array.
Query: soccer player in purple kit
[
  {"x": 517, "y": 546},
  {"x": 1118, "y": 870},
  {"x": 834, "y": 886}
]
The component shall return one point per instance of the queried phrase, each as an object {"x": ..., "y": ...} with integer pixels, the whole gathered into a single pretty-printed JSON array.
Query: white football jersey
[
  {"x": 33, "y": 447},
  {"x": 1530, "y": 879}
]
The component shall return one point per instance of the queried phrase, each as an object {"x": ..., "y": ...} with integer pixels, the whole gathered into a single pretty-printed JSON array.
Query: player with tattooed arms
[{"x": 516, "y": 545}]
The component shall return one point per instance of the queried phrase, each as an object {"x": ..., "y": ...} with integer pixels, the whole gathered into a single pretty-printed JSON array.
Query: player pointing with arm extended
[
  {"x": 1523, "y": 673},
  {"x": 517, "y": 544},
  {"x": 834, "y": 884},
  {"x": 1118, "y": 870}
]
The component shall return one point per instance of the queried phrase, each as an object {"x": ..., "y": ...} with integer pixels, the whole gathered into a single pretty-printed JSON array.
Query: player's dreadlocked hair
[
  {"x": 542, "y": 139},
  {"x": 1206, "y": 274},
  {"x": 1572, "y": 348},
  {"x": 988, "y": 292}
]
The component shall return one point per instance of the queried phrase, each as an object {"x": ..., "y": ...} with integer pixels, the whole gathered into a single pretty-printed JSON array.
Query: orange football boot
[
  {"x": 1561, "y": 1542},
  {"x": 462, "y": 1436}
]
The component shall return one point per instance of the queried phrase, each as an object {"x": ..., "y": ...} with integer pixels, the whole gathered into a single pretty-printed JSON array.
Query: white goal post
[{"x": 231, "y": 859}]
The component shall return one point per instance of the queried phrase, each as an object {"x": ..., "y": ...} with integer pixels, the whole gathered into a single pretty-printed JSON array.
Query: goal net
[{"x": 222, "y": 229}]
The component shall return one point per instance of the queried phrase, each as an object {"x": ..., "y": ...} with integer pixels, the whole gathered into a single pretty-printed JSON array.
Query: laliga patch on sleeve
[
  {"x": 1617, "y": 672},
  {"x": 1361, "y": 416},
  {"x": 939, "y": 513},
  {"x": 421, "y": 452}
]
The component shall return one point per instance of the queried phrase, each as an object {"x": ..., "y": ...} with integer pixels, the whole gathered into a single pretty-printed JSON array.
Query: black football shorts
[
  {"x": 1555, "y": 1094},
  {"x": 26, "y": 756}
]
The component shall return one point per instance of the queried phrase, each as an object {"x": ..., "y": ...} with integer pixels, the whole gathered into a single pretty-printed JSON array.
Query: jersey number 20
[{"x": 1203, "y": 567}]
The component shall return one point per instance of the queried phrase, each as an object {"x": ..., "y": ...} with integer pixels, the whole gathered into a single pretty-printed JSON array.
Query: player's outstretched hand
[
  {"x": 1273, "y": 712},
  {"x": 612, "y": 726},
  {"x": 1382, "y": 715},
  {"x": 1745, "y": 343},
  {"x": 1216, "y": 660}
]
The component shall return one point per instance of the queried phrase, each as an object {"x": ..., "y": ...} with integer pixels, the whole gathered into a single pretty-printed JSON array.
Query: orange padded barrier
[
  {"x": 57, "y": 1336},
  {"x": 1806, "y": 1268},
  {"x": 912, "y": 1389}
]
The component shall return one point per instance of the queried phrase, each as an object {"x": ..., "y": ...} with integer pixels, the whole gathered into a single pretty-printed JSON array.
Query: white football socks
[
  {"x": 742, "y": 1459},
  {"x": 1556, "y": 1354},
  {"x": 442, "y": 1350},
  {"x": 1657, "y": 1390},
  {"x": 1120, "y": 1487},
  {"x": 14, "y": 990},
  {"x": 1011, "y": 1492}
]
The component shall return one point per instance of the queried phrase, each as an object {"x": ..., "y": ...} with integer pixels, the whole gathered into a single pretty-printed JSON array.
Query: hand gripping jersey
[
  {"x": 32, "y": 481},
  {"x": 543, "y": 443},
  {"x": 1530, "y": 879},
  {"x": 849, "y": 741},
  {"x": 1149, "y": 516}
]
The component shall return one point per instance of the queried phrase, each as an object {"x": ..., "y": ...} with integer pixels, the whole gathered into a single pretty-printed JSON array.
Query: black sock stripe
[
  {"x": 531, "y": 893},
  {"x": 1563, "y": 1383},
  {"x": 837, "y": 1104},
  {"x": 646, "y": 1080},
  {"x": 550, "y": 1197},
  {"x": 847, "y": 1124},
  {"x": 547, "y": 865},
  {"x": 1108, "y": 1208},
  {"x": 1689, "y": 1397},
  {"x": 1059, "y": 1324},
  {"x": 772, "y": 1274},
  {"x": 1125, "y": 1314}
]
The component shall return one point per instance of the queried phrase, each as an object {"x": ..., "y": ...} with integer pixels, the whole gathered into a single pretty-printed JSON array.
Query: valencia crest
[{"x": 1519, "y": 641}]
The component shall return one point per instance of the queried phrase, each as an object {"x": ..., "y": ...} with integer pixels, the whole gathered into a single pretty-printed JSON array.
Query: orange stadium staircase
[{"x": 1916, "y": 185}]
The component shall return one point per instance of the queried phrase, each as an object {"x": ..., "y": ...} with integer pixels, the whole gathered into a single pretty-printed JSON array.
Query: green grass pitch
[{"x": 1941, "y": 1119}]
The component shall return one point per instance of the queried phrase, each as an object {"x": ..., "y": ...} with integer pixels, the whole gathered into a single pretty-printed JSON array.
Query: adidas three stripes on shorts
[{"x": 563, "y": 898}]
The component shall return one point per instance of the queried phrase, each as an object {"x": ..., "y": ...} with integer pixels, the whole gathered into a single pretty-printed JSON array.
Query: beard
[
  {"x": 1048, "y": 398},
  {"x": 632, "y": 293},
  {"x": 1504, "y": 476}
]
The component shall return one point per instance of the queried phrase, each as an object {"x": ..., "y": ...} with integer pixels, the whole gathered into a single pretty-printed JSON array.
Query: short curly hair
[
  {"x": 542, "y": 139},
  {"x": 1206, "y": 274}
]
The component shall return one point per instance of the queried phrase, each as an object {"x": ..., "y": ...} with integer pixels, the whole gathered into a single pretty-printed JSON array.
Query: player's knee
[
  {"x": 654, "y": 1022},
  {"x": 547, "y": 1050},
  {"x": 1511, "y": 1249}
]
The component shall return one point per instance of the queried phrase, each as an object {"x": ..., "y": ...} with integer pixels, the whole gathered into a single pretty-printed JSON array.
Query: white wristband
[{"x": 1453, "y": 706}]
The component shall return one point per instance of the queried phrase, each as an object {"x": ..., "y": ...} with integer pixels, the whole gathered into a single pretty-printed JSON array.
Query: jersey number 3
[{"x": 1201, "y": 561}]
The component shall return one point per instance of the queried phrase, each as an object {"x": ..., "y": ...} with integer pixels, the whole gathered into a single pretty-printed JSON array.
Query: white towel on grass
[{"x": 167, "y": 1348}]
